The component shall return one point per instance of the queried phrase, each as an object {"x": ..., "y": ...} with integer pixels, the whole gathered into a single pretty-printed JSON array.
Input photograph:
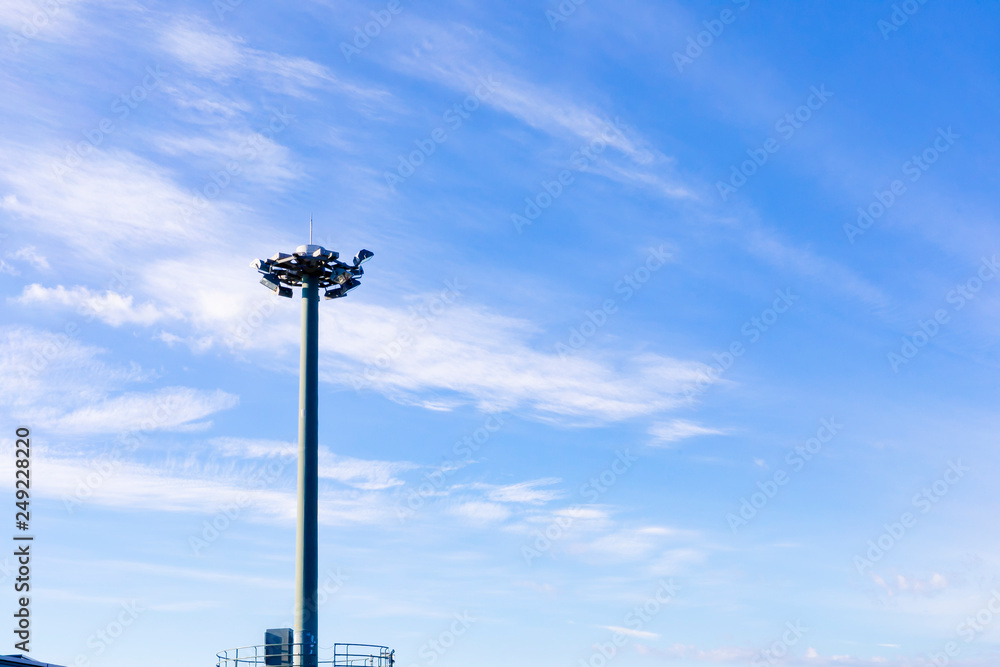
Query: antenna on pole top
[{"x": 310, "y": 228}]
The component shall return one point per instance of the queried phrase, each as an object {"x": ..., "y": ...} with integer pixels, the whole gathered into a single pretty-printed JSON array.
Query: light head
[
  {"x": 282, "y": 272},
  {"x": 362, "y": 257}
]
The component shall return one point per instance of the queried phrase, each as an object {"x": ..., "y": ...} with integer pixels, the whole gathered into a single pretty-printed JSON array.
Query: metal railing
[
  {"x": 289, "y": 655},
  {"x": 366, "y": 655}
]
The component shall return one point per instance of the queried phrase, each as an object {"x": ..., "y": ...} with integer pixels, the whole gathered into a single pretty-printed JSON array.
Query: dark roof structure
[{"x": 22, "y": 661}]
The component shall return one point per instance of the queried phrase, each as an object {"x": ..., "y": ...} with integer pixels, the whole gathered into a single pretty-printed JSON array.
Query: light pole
[{"x": 312, "y": 268}]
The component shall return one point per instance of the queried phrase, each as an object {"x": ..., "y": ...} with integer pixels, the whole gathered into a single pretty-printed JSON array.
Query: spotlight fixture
[{"x": 283, "y": 271}]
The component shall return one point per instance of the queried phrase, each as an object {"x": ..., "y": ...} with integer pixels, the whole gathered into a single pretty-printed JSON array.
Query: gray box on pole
[{"x": 278, "y": 647}]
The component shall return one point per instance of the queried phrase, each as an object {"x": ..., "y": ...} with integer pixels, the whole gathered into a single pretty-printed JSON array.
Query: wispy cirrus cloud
[
  {"x": 480, "y": 512},
  {"x": 900, "y": 584},
  {"x": 724, "y": 655},
  {"x": 119, "y": 201},
  {"x": 525, "y": 492},
  {"x": 197, "y": 488},
  {"x": 741, "y": 655},
  {"x": 207, "y": 51},
  {"x": 170, "y": 408},
  {"x": 628, "y": 543},
  {"x": 473, "y": 355},
  {"x": 110, "y": 307},
  {"x": 31, "y": 256},
  {"x": 57, "y": 372},
  {"x": 201, "y": 485},
  {"x": 470, "y": 355},
  {"x": 462, "y": 58},
  {"x": 669, "y": 432},
  {"x": 26, "y": 20},
  {"x": 123, "y": 201},
  {"x": 262, "y": 160},
  {"x": 638, "y": 634},
  {"x": 363, "y": 474},
  {"x": 252, "y": 448},
  {"x": 803, "y": 261},
  {"x": 53, "y": 378}
]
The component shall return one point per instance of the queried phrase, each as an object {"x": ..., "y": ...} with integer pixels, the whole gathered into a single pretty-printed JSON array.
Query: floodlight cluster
[{"x": 282, "y": 272}]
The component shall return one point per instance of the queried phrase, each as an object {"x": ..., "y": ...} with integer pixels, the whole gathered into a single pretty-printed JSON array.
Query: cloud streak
[
  {"x": 208, "y": 52},
  {"x": 170, "y": 408},
  {"x": 667, "y": 433},
  {"x": 110, "y": 307}
]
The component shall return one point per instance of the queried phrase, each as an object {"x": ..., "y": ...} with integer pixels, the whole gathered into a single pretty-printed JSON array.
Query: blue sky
[{"x": 679, "y": 333}]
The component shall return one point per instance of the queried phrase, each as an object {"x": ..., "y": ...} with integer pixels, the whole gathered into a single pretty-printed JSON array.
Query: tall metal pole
[
  {"x": 307, "y": 540},
  {"x": 313, "y": 268}
]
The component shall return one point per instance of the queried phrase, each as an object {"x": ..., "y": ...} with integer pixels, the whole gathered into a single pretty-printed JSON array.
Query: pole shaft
[{"x": 307, "y": 536}]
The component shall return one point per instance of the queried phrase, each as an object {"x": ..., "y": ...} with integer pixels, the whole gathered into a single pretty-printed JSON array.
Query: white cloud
[
  {"x": 362, "y": 474},
  {"x": 109, "y": 307},
  {"x": 187, "y": 607},
  {"x": 114, "y": 202},
  {"x": 55, "y": 379},
  {"x": 171, "y": 408},
  {"x": 205, "y": 50},
  {"x": 665, "y": 433},
  {"x": 546, "y": 588},
  {"x": 197, "y": 344},
  {"x": 29, "y": 19},
  {"x": 30, "y": 255},
  {"x": 591, "y": 534},
  {"x": 583, "y": 513},
  {"x": 460, "y": 61},
  {"x": 467, "y": 355},
  {"x": 727, "y": 654},
  {"x": 54, "y": 369},
  {"x": 524, "y": 492},
  {"x": 480, "y": 512},
  {"x": 588, "y": 519},
  {"x": 639, "y": 634},
  {"x": 206, "y": 101},
  {"x": 899, "y": 584},
  {"x": 229, "y": 305},
  {"x": 118, "y": 203},
  {"x": 675, "y": 561},
  {"x": 261, "y": 159},
  {"x": 470, "y": 355},
  {"x": 804, "y": 262},
  {"x": 191, "y": 488},
  {"x": 739, "y": 654},
  {"x": 473, "y": 355},
  {"x": 367, "y": 475},
  {"x": 253, "y": 448},
  {"x": 626, "y": 544},
  {"x": 172, "y": 574}
]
